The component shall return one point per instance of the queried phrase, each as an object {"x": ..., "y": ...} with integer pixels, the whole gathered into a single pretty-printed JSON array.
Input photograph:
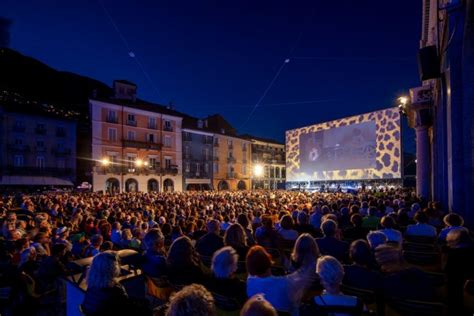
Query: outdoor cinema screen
[{"x": 365, "y": 146}]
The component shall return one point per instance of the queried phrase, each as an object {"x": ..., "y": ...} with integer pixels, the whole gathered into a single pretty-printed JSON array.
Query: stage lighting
[
  {"x": 105, "y": 162},
  {"x": 258, "y": 170}
]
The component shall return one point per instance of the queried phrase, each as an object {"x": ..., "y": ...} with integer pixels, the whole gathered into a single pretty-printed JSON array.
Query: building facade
[
  {"x": 269, "y": 157},
  {"x": 37, "y": 149},
  {"x": 197, "y": 159},
  {"x": 136, "y": 146},
  {"x": 442, "y": 108},
  {"x": 232, "y": 163}
]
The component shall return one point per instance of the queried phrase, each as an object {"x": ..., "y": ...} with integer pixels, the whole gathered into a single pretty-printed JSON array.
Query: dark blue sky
[{"x": 220, "y": 56}]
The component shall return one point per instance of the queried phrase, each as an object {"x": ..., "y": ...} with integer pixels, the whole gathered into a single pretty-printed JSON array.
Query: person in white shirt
[
  {"x": 392, "y": 234},
  {"x": 421, "y": 228}
]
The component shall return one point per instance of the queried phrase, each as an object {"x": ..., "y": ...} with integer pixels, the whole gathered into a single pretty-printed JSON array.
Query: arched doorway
[
  {"x": 168, "y": 185},
  {"x": 112, "y": 185},
  {"x": 241, "y": 185},
  {"x": 131, "y": 185},
  {"x": 153, "y": 185},
  {"x": 222, "y": 186}
]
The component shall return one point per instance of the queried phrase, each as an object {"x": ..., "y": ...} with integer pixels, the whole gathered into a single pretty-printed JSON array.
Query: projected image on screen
[
  {"x": 365, "y": 146},
  {"x": 341, "y": 148}
]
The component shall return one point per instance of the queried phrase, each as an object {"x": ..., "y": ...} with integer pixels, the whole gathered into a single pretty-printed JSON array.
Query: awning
[
  {"x": 198, "y": 181},
  {"x": 30, "y": 180}
]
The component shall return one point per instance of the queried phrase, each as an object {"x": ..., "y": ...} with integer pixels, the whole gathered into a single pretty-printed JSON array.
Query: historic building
[
  {"x": 37, "y": 149},
  {"x": 268, "y": 157},
  {"x": 136, "y": 145},
  {"x": 198, "y": 143},
  {"x": 442, "y": 108}
]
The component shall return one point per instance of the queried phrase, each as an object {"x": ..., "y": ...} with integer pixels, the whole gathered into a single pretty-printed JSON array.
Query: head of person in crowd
[
  {"x": 243, "y": 220},
  {"x": 259, "y": 262},
  {"x": 453, "y": 220},
  {"x": 389, "y": 258},
  {"x": 372, "y": 211},
  {"x": 213, "y": 227},
  {"x": 286, "y": 222},
  {"x": 387, "y": 222},
  {"x": 331, "y": 273},
  {"x": 267, "y": 222},
  {"x": 29, "y": 254},
  {"x": 375, "y": 239},
  {"x": 104, "y": 270},
  {"x": 421, "y": 217},
  {"x": 459, "y": 238},
  {"x": 257, "y": 305},
  {"x": 97, "y": 240},
  {"x": 224, "y": 263},
  {"x": 182, "y": 253},
  {"x": 305, "y": 252},
  {"x": 329, "y": 228},
  {"x": 356, "y": 220},
  {"x": 154, "y": 240},
  {"x": 302, "y": 218},
  {"x": 360, "y": 253},
  {"x": 194, "y": 300},
  {"x": 235, "y": 236}
]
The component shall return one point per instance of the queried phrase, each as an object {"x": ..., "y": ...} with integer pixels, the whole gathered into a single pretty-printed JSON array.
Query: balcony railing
[
  {"x": 35, "y": 171},
  {"x": 40, "y": 130},
  {"x": 18, "y": 148},
  {"x": 61, "y": 151},
  {"x": 131, "y": 123},
  {"x": 168, "y": 128},
  {"x": 231, "y": 160},
  {"x": 111, "y": 119},
  {"x": 140, "y": 144},
  {"x": 172, "y": 169}
]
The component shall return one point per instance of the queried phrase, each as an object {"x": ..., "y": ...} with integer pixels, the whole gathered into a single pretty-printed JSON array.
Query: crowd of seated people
[{"x": 257, "y": 252}]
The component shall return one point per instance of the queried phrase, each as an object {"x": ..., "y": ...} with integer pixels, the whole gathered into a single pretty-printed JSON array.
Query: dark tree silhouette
[{"x": 4, "y": 32}]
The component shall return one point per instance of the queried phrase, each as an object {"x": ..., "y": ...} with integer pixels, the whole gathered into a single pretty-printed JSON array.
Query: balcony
[
  {"x": 40, "y": 131},
  {"x": 170, "y": 170},
  {"x": 187, "y": 138},
  {"x": 168, "y": 128},
  {"x": 18, "y": 148},
  {"x": 152, "y": 125},
  {"x": 18, "y": 129},
  {"x": 231, "y": 147},
  {"x": 131, "y": 123},
  {"x": 142, "y": 145},
  {"x": 231, "y": 160},
  {"x": 34, "y": 171},
  {"x": 111, "y": 119},
  {"x": 61, "y": 152}
]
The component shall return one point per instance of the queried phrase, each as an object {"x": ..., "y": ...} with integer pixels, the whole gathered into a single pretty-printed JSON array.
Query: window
[
  {"x": 112, "y": 116},
  {"x": 152, "y": 162},
  {"x": 167, "y": 141},
  {"x": 198, "y": 167},
  {"x": 168, "y": 126},
  {"x": 112, "y": 134},
  {"x": 206, "y": 167},
  {"x": 131, "y": 135},
  {"x": 244, "y": 147},
  {"x": 186, "y": 152},
  {"x": 150, "y": 138},
  {"x": 61, "y": 163},
  {"x": 40, "y": 162},
  {"x": 215, "y": 167},
  {"x": 244, "y": 169},
  {"x": 131, "y": 119},
  {"x": 167, "y": 162},
  {"x": 187, "y": 166},
  {"x": 60, "y": 131},
  {"x": 206, "y": 153},
  {"x": 152, "y": 122},
  {"x": 18, "y": 161},
  {"x": 131, "y": 162},
  {"x": 231, "y": 155},
  {"x": 229, "y": 142}
]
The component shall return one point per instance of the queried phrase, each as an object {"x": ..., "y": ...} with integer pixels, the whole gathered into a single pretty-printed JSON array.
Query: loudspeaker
[{"x": 428, "y": 63}]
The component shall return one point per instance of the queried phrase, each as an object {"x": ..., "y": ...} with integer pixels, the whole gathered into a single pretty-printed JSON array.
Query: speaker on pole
[{"x": 428, "y": 63}]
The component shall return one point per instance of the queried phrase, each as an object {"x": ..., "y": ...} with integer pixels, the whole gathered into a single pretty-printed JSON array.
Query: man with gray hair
[
  {"x": 330, "y": 245},
  {"x": 154, "y": 259},
  {"x": 210, "y": 242}
]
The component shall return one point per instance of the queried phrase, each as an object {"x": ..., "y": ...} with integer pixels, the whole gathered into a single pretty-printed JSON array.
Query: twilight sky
[{"x": 346, "y": 57}]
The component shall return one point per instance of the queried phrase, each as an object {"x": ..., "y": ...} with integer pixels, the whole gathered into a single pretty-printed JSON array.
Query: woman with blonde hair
[
  {"x": 104, "y": 295},
  {"x": 236, "y": 238}
]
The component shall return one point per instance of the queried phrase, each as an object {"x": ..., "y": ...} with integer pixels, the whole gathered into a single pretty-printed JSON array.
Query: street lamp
[
  {"x": 138, "y": 162},
  {"x": 257, "y": 173},
  {"x": 105, "y": 162}
]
